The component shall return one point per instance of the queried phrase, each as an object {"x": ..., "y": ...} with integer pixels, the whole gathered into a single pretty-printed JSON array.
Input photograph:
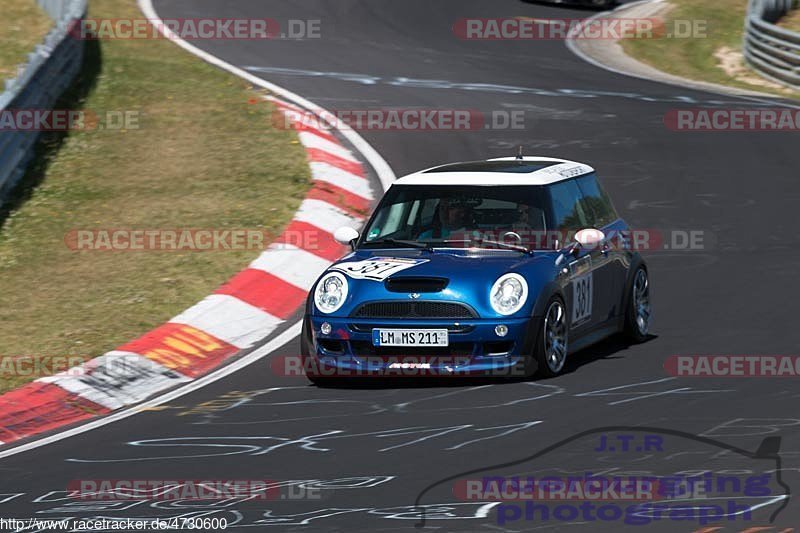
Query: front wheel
[
  {"x": 639, "y": 310},
  {"x": 551, "y": 348},
  {"x": 323, "y": 381}
]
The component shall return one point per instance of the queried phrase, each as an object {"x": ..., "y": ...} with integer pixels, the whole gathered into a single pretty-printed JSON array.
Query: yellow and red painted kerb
[{"x": 240, "y": 313}]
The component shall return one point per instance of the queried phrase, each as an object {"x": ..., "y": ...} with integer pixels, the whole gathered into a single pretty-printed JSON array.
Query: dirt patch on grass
[{"x": 732, "y": 62}]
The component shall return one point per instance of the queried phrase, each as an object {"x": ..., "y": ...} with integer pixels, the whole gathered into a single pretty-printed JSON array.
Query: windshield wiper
[
  {"x": 411, "y": 244},
  {"x": 503, "y": 245},
  {"x": 507, "y": 246}
]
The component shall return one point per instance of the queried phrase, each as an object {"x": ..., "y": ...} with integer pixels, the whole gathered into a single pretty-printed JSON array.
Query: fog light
[
  {"x": 501, "y": 330},
  {"x": 325, "y": 328}
]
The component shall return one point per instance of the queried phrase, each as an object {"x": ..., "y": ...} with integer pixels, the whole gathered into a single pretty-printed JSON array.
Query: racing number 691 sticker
[
  {"x": 582, "y": 299},
  {"x": 377, "y": 268}
]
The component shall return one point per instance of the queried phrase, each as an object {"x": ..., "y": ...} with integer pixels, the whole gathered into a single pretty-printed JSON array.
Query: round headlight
[
  {"x": 331, "y": 292},
  {"x": 508, "y": 294}
]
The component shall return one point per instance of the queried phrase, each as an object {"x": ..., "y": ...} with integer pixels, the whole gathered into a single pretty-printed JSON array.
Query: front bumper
[{"x": 474, "y": 348}]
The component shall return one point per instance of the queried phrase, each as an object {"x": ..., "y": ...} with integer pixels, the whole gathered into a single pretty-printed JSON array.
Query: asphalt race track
[{"x": 372, "y": 451}]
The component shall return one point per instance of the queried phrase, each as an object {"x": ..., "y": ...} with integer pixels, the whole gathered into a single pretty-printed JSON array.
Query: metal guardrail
[
  {"x": 50, "y": 69},
  {"x": 771, "y": 50}
]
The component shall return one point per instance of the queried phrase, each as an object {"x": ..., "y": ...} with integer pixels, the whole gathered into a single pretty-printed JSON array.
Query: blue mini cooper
[{"x": 498, "y": 267}]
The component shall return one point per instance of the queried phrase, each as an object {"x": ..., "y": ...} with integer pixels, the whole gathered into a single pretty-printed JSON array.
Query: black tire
[
  {"x": 543, "y": 350},
  {"x": 527, "y": 368},
  {"x": 637, "y": 325},
  {"x": 309, "y": 363},
  {"x": 323, "y": 381},
  {"x": 311, "y": 369}
]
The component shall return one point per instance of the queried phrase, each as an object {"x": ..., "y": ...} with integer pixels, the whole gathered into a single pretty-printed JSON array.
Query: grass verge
[
  {"x": 702, "y": 58},
  {"x": 24, "y": 26},
  {"x": 204, "y": 155}
]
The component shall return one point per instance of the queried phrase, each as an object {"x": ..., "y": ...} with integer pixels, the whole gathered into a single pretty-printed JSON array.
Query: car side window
[
  {"x": 567, "y": 209},
  {"x": 596, "y": 203}
]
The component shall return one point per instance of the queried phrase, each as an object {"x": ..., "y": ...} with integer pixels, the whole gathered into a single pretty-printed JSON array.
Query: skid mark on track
[
  {"x": 539, "y": 395},
  {"x": 218, "y": 411},
  {"x": 457, "y": 436},
  {"x": 637, "y": 395}
]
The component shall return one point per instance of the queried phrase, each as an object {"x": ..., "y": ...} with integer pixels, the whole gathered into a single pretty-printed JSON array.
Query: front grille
[{"x": 414, "y": 310}]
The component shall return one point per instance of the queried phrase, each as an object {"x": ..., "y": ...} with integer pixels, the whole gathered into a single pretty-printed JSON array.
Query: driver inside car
[{"x": 453, "y": 218}]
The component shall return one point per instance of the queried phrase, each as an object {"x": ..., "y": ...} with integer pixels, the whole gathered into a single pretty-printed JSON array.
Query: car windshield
[{"x": 500, "y": 217}]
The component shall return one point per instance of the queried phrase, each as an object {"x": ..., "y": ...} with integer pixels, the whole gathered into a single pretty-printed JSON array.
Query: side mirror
[
  {"x": 345, "y": 235},
  {"x": 586, "y": 238},
  {"x": 589, "y": 237}
]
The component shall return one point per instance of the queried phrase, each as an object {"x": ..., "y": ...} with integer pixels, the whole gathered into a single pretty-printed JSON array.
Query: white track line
[{"x": 379, "y": 165}]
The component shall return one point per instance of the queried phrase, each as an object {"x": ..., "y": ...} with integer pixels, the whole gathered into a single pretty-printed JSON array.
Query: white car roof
[
  {"x": 533, "y": 171},
  {"x": 551, "y": 170}
]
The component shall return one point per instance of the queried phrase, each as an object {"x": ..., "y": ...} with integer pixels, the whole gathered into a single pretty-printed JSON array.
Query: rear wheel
[
  {"x": 637, "y": 317},
  {"x": 551, "y": 348}
]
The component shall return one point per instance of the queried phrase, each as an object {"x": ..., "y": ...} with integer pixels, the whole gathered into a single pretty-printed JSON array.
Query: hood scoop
[{"x": 416, "y": 284}]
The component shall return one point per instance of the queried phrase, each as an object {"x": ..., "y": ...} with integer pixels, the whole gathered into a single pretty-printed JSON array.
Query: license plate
[{"x": 409, "y": 337}]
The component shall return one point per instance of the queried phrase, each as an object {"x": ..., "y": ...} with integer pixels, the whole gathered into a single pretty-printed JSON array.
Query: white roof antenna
[{"x": 519, "y": 153}]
